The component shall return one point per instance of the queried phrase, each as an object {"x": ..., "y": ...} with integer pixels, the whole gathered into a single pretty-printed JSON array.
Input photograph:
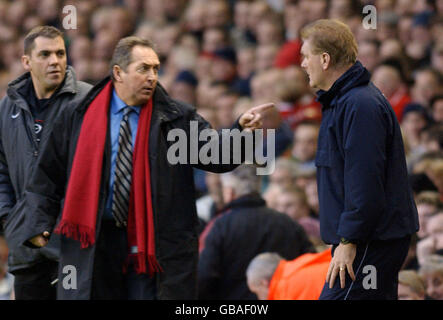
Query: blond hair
[
  {"x": 429, "y": 197},
  {"x": 432, "y": 264},
  {"x": 411, "y": 279},
  {"x": 333, "y": 37}
]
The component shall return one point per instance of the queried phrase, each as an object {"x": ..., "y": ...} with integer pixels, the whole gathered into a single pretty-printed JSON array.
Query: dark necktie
[{"x": 123, "y": 171}]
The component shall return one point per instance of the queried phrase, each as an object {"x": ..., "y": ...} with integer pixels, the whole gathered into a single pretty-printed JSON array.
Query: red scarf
[{"x": 82, "y": 196}]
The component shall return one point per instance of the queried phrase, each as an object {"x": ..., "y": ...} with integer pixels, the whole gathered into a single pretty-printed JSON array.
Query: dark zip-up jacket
[
  {"x": 173, "y": 196},
  {"x": 363, "y": 186},
  {"x": 19, "y": 149}
]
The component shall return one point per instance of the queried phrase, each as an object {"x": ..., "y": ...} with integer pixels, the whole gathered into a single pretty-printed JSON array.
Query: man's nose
[
  {"x": 151, "y": 76},
  {"x": 53, "y": 59}
]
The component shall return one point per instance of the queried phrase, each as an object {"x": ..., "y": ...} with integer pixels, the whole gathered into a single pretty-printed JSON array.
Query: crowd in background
[{"x": 225, "y": 56}]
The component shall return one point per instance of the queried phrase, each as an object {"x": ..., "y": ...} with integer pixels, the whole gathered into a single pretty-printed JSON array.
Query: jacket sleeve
[
  {"x": 45, "y": 189},
  {"x": 7, "y": 196},
  {"x": 230, "y": 151},
  {"x": 365, "y": 130}
]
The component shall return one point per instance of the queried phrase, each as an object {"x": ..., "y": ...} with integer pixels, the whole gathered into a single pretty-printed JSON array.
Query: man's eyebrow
[
  {"x": 144, "y": 64},
  {"x": 50, "y": 51}
]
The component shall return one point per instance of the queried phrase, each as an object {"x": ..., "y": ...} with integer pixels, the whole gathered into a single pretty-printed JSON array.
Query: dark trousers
[
  {"x": 109, "y": 282},
  {"x": 376, "y": 268},
  {"x": 34, "y": 283}
]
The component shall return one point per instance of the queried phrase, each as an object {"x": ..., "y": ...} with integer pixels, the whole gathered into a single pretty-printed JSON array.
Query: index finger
[{"x": 262, "y": 107}]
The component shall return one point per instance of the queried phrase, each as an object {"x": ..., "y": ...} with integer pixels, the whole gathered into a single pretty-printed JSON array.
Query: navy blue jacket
[{"x": 363, "y": 186}]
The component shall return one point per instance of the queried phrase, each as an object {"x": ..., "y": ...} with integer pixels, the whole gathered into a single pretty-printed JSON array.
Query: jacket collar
[
  {"x": 249, "y": 200},
  {"x": 69, "y": 84},
  {"x": 355, "y": 76}
]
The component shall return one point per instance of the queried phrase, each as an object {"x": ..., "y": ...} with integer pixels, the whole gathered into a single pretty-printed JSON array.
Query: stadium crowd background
[{"x": 224, "y": 56}]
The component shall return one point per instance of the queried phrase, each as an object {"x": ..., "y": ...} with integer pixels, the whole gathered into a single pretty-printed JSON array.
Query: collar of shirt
[{"x": 117, "y": 104}]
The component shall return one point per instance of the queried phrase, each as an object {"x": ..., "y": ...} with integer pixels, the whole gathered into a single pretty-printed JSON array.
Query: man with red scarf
[{"x": 143, "y": 245}]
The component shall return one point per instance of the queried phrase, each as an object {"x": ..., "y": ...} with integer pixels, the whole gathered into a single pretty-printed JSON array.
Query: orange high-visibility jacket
[{"x": 300, "y": 279}]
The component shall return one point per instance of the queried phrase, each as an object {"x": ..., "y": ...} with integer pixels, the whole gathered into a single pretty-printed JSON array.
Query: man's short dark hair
[
  {"x": 123, "y": 52},
  {"x": 40, "y": 31}
]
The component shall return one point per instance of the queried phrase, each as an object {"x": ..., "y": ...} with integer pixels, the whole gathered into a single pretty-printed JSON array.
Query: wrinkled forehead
[
  {"x": 48, "y": 44},
  {"x": 146, "y": 55}
]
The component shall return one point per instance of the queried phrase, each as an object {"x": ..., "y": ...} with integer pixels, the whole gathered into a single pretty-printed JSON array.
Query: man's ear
[
  {"x": 265, "y": 283},
  {"x": 325, "y": 60},
  {"x": 26, "y": 62},
  {"x": 116, "y": 71}
]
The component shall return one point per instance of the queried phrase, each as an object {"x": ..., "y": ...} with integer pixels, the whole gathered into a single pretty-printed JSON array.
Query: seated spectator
[
  {"x": 428, "y": 203},
  {"x": 271, "y": 277},
  {"x": 437, "y": 108},
  {"x": 389, "y": 80},
  {"x": 410, "y": 286},
  {"x": 433, "y": 243},
  {"x": 427, "y": 84},
  {"x": 437, "y": 57},
  {"x": 312, "y": 196},
  {"x": 431, "y": 138},
  {"x": 271, "y": 195},
  {"x": 292, "y": 201},
  {"x": 368, "y": 54},
  {"x": 223, "y": 68},
  {"x": 414, "y": 119},
  {"x": 305, "y": 144},
  {"x": 432, "y": 273},
  {"x": 284, "y": 173},
  {"x": 244, "y": 229},
  {"x": 184, "y": 86},
  {"x": 297, "y": 101}
]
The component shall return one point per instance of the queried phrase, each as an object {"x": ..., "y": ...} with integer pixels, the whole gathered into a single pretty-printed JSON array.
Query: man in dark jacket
[
  {"x": 245, "y": 229},
  {"x": 129, "y": 222},
  {"x": 27, "y": 113},
  {"x": 367, "y": 211}
]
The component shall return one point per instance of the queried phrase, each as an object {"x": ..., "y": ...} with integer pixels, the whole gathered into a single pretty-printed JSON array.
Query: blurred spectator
[
  {"x": 271, "y": 277},
  {"x": 437, "y": 108},
  {"x": 284, "y": 173},
  {"x": 427, "y": 84},
  {"x": 184, "y": 87},
  {"x": 240, "y": 32},
  {"x": 293, "y": 202},
  {"x": 432, "y": 272},
  {"x": 428, "y": 203},
  {"x": 414, "y": 119},
  {"x": 224, "y": 109},
  {"x": 305, "y": 144},
  {"x": 389, "y": 80},
  {"x": 410, "y": 286},
  {"x": 223, "y": 68},
  {"x": 213, "y": 39},
  {"x": 217, "y": 14},
  {"x": 246, "y": 228},
  {"x": 297, "y": 103},
  {"x": 368, "y": 54},
  {"x": 431, "y": 138}
]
